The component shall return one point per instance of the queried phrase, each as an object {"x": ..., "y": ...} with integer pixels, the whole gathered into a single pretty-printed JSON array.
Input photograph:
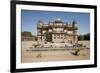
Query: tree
[
  {"x": 87, "y": 36},
  {"x": 26, "y": 34},
  {"x": 84, "y": 37},
  {"x": 80, "y": 37}
]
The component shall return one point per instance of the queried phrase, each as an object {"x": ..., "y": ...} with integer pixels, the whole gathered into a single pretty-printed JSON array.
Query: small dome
[
  {"x": 76, "y": 25},
  {"x": 40, "y": 24}
]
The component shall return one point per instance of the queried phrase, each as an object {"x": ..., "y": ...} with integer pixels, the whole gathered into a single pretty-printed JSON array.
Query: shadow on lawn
[{"x": 74, "y": 53}]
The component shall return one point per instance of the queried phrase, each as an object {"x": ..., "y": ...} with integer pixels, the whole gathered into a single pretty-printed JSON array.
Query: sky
[{"x": 29, "y": 19}]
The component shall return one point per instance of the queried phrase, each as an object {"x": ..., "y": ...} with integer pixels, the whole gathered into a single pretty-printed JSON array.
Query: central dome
[
  {"x": 58, "y": 23},
  {"x": 58, "y": 20}
]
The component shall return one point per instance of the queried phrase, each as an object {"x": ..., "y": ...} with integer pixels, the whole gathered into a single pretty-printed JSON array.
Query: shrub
[
  {"x": 77, "y": 50},
  {"x": 35, "y": 45},
  {"x": 39, "y": 55}
]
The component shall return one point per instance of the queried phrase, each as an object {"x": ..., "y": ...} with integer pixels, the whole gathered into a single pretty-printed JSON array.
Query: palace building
[{"x": 57, "y": 33}]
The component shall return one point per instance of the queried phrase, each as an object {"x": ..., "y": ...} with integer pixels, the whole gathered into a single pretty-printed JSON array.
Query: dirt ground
[{"x": 52, "y": 55}]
